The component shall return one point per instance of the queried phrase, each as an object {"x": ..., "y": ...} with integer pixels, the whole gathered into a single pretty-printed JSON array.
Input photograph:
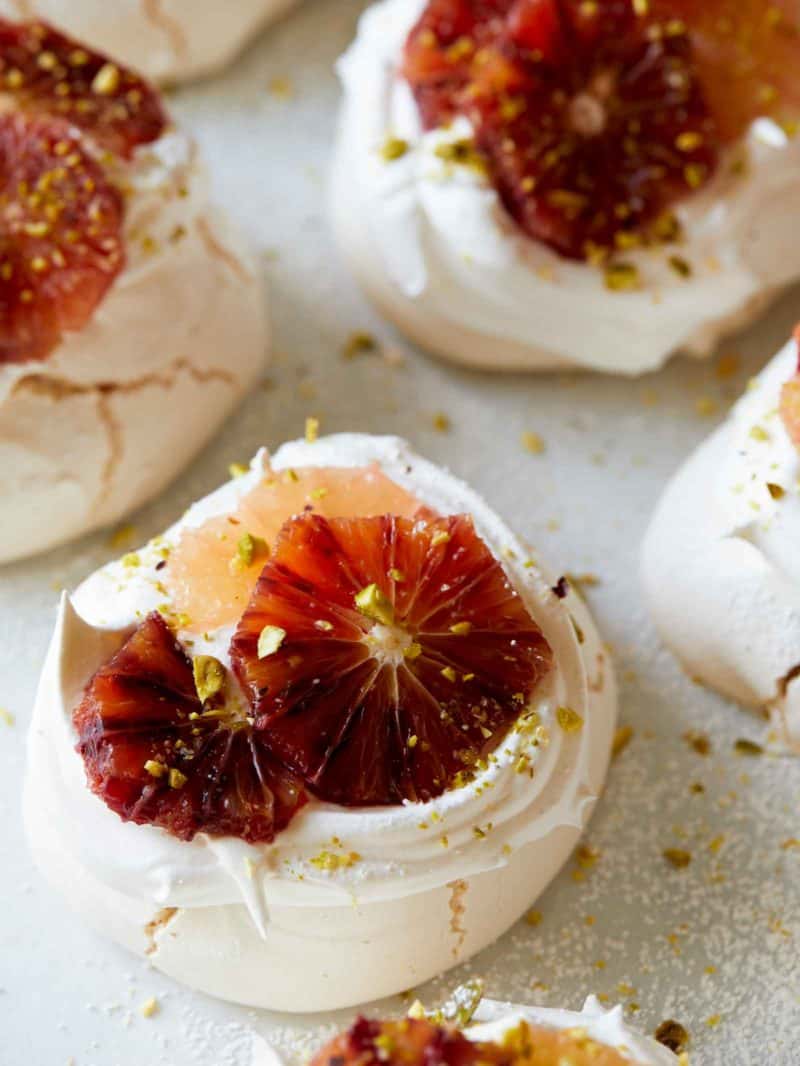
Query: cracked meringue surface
[
  {"x": 432, "y": 246},
  {"x": 165, "y": 40},
  {"x": 119, "y": 407},
  {"x": 253, "y": 923},
  {"x": 719, "y": 561}
]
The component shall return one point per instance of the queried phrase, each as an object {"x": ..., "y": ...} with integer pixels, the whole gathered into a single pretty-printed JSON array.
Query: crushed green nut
[
  {"x": 209, "y": 676},
  {"x": 269, "y": 640}
]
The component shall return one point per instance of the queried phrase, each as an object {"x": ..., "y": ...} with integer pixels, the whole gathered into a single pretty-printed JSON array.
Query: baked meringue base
[
  {"x": 433, "y": 247},
  {"x": 316, "y": 946},
  {"x": 166, "y": 40},
  {"x": 719, "y": 602},
  {"x": 315, "y": 958},
  {"x": 78, "y": 454}
]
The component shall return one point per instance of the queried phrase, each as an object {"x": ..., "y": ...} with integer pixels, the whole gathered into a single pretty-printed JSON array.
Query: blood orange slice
[
  {"x": 590, "y": 117},
  {"x": 416, "y": 1042},
  {"x": 790, "y": 401},
  {"x": 210, "y": 578},
  {"x": 747, "y": 56},
  {"x": 385, "y": 658},
  {"x": 157, "y": 754},
  {"x": 45, "y": 71},
  {"x": 61, "y": 243}
]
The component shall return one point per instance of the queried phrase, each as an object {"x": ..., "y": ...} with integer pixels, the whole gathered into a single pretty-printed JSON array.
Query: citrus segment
[
  {"x": 210, "y": 584},
  {"x": 790, "y": 401},
  {"x": 155, "y": 754},
  {"x": 747, "y": 55},
  {"x": 590, "y": 118},
  {"x": 61, "y": 240},
  {"x": 45, "y": 71},
  {"x": 407, "y": 655}
]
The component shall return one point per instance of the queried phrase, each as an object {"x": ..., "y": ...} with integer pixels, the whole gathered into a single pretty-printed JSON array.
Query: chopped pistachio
[
  {"x": 106, "y": 80},
  {"x": 688, "y": 140},
  {"x": 359, "y": 343},
  {"x": 249, "y": 549},
  {"x": 462, "y": 152},
  {"x": 759, "y": 433},
  {"x": 6, "y": 716},
  {"x": 439, "y": 537},
  {"x": 324, "y": 625},
  {"x": 397, "y": 575},
  {"x": 413, "y": 651},
  {"x": 371, "y": 602},
  {"x": 449, "y": 674},
  {"x": 413, "y": 740},
  {"x": 237, "y": 469},
  {"x": 747, "y": 747},
  {"x": 312, "y": 429},
  {"x": 677, "y": 857},
  {"x": 441, "y": 423},
  {"x": 416, "y": 1011},
  {"x": 569, "y": 720},
  {"x": 680, "y": 266},
  {"x": 269, "y": 640},
  {"x": 177, "y": 779},
  {"x": 150, "y": 1007},
  {"x": 155, "y": 769},
  {"x": 777, "y": 492},
  {"x": 209, "y": 676},
  {"x": 393, "y": 148},
  {"x": 461, "y": 629},
  {"x": 622, "y": 277},
  {"x": 533, "y": 443}
]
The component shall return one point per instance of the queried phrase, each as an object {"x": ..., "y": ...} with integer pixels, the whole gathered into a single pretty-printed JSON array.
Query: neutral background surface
[{"x": 715, "y": 943}]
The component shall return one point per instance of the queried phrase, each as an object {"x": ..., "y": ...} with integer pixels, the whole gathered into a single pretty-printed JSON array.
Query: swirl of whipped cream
[
  {"x": 432, "y": 245},
  {"x": 166, "y": 40},
  {"x": 119, "y": 407},
  {"x": 720, "y": 565},
  {"x": 408, "y": 851}
]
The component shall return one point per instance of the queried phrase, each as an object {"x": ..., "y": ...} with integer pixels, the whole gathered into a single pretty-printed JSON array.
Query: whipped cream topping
[
  {"x": 165, "y": 40},
  {"x": 401, "y": 850},
  {"x": 444, "y": 242},
  {"x": 720, "y": 558},
  {"x": 608, "y": 1027}
]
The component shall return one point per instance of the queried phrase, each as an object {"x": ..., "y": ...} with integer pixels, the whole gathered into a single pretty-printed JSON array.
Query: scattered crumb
[
  {"x": 672, "y": 1035},
  {"x": 622, "y": 738},
  {"x": 122, "y": 536},
  {"x": 728, "y": 366},
  {"x": 706, "y": 406},
  {"x": 698, "y": 742},
  {"x": 150, "y": 1007},
  {"x": 281, "y": 87},
  {"x": 441, "y": 423},
  {"x": 6, "y": 716},
  {"x": 677, "y": 857},
  {"x": 533, "y": 443},
  {"x": 359, "y": 343}
]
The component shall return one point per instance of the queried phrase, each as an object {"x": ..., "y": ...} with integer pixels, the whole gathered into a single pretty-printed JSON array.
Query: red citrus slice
[
  {"x": 384, "y": 658},
  {"x": 747, "y": 54},
  {"x": 589, "y": 116},
  {"x": 156, "y": 754},
  {"x": 45, "y": 71},
  {"x": 416, "y": 1042},
  {"x": 61, "y": 242},
  {"x": 210, "y": 579},
  {"x": 790, "y": 401}
]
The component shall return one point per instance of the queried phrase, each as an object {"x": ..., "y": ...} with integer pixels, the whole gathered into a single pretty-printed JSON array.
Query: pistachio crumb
[
  {"x": 150, "y": 1007},
  {"x": 393, "y": 148},
  {"x": 269, "y": 640},
  {"x": 155, "y": 769},
  {"x": 569, "y": 720},
  {"x": 677, "y": 857},
  {"x": 533, "y": 443},
  {"x": 371, "y": 602},
  {"x": 312, "y": 430},
  {"x": 209, "y": 676}
]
